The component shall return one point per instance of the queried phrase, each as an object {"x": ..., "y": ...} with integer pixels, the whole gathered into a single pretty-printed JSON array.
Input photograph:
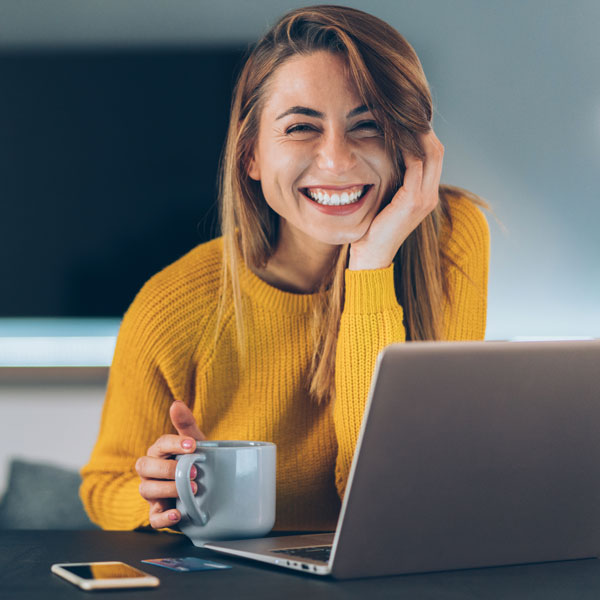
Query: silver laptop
[{"x": 471, "y": 454}]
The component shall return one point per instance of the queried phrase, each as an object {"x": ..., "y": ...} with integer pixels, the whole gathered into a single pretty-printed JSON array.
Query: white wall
[{"x": 55, "y": 423}]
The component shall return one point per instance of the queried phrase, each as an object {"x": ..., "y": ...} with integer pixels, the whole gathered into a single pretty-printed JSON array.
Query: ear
[{"x": 253, "y": 169}]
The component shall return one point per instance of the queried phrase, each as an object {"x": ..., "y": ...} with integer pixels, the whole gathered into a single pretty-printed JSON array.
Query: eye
[
  {"x": 300, "y": 128},
  {"x": 368, "y": 127}
]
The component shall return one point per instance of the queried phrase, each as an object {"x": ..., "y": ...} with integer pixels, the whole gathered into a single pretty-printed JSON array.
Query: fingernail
[
  {"x": 193, "y": 472},
  {"x": 187, "y": 444},
  {"x": 194, "y": 487},
  {"x": 173, "y": 516}
]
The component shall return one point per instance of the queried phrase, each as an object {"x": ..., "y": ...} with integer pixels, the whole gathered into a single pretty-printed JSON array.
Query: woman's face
[{"x": 320, "y": 156}]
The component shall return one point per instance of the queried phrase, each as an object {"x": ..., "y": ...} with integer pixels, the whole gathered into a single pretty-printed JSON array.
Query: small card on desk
[{"x": 189, "y": 563}]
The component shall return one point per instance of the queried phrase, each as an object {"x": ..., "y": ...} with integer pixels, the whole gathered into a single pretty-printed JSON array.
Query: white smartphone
[{"x": 104, "y": 575}]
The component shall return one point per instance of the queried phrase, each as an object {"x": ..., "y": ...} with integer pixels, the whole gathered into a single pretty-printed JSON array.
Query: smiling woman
[
  {"x": 337, "y": 241},
  {"x": 335, "y": 150}
]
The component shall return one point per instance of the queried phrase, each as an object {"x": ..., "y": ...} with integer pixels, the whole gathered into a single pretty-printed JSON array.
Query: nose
[{"x": 335, "y": 153}]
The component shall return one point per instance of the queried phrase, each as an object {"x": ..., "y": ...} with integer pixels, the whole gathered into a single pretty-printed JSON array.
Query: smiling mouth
[{"x": 331, "y": 197}]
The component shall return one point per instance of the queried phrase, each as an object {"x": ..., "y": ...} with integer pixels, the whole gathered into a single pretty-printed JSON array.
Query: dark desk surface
[{"x": 26, "y": 556}]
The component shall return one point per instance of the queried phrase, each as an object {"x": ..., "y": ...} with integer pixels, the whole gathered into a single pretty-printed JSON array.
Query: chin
[{"x": 339, "y": 238}]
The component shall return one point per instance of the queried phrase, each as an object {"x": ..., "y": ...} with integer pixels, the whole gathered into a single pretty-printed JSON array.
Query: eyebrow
[{"x": 311, "y": 112}]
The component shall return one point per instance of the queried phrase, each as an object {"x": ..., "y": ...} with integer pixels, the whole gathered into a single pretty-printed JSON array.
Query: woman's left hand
[{"x": 417, "y": 197}]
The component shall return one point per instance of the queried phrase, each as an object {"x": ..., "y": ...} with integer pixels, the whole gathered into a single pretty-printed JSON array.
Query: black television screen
[{"x": 108, "y": 166}]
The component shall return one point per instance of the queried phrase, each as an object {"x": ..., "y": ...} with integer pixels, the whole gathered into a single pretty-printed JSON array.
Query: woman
[{"x": 337, "y": 241}]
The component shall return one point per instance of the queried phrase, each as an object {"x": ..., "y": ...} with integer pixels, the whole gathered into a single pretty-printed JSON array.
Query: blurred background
[{"x": 112, "y": 119}]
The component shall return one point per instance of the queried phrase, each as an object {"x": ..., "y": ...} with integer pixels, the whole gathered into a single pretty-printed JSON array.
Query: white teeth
[{"x": 335, "y": 199}]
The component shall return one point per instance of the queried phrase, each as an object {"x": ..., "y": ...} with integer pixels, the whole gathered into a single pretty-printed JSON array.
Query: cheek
[
  {"x": 382, "y": 163},
  {"x": 374, "y": 155},
  {"x": 281, "y": 169}
]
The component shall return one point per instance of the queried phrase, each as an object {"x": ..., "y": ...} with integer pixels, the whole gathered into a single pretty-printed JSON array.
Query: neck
[{"x": 299, "y": 263}]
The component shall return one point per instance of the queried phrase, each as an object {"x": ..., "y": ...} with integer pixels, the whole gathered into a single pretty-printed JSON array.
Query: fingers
[
  {"x": 158, "y": 476},
  {"x": 162, "y": 514},
  {"x": 161, "y": 493},
  {"x": 413, "y": 178},
  {"x": 422, "y": 177},
  {"x": 158, "y": 468},
  {"x": 169, "y": 444},
  {"x": 184, "y": 421},
  {"x": 434, "y": 155},
  {"x": 153, "y": 489}
]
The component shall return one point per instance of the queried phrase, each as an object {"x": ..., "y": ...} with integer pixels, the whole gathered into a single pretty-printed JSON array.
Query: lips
[
  {"x": 341, "y": 208},
  {"x": 336, "y": 195}
]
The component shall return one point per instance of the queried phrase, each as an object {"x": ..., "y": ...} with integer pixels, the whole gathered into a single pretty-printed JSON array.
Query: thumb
[{"x": 184, "y": 422}]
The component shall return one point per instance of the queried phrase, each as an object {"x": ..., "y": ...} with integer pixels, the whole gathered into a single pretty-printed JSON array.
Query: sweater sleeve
[
  {"x": 154, "y": 363},
  {"x": 135, "y": 414},
  {"x": 373, "y": 319},
  {"x": 469, "y": 248}
]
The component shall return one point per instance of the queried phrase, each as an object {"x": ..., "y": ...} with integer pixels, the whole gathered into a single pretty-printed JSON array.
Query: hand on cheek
[{"x": 417, "y": 197}]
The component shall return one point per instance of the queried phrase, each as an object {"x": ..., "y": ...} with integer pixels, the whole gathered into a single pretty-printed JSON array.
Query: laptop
[{"x": 470, "y": 454}]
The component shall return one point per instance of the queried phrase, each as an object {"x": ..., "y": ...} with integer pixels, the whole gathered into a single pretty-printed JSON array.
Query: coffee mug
[{"x": 236, "y": 490}]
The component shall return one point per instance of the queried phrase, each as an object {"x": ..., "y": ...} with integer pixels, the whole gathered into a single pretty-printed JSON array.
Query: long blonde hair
[{"x": 390, "y": 79}]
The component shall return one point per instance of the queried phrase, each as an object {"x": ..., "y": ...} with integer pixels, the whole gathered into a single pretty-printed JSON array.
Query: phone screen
[{"x": 104, "y": 571}]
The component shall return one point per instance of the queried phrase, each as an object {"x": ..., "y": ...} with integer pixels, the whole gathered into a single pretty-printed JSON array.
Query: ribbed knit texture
[{"x": 166, "y": 351}]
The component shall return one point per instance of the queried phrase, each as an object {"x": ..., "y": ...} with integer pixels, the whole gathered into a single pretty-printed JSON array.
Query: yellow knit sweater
[{"x": 166, "y": 351}]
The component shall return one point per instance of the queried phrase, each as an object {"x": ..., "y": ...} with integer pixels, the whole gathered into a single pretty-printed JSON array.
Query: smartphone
[{"x": 104, "y": 575}]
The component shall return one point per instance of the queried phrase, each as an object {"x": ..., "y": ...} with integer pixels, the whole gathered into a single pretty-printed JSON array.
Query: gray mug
[{"x": 236, "y": 490}]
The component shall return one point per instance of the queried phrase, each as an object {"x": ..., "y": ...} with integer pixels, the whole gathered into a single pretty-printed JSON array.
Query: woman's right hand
[{"x": 157, "y": 468}]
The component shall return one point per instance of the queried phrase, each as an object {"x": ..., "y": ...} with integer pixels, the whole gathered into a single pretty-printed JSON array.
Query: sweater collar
[{"x": 270, "y": 297}]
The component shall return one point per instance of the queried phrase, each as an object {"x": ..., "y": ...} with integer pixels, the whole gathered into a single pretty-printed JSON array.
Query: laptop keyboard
[{"x": 313, "y": 552}]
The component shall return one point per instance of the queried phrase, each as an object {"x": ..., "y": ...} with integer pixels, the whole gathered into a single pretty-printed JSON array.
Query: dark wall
[{"x": 108, "y": 166}]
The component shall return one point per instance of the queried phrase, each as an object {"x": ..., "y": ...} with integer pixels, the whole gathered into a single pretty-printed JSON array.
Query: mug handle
[{"x": 184, "y": 487}]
